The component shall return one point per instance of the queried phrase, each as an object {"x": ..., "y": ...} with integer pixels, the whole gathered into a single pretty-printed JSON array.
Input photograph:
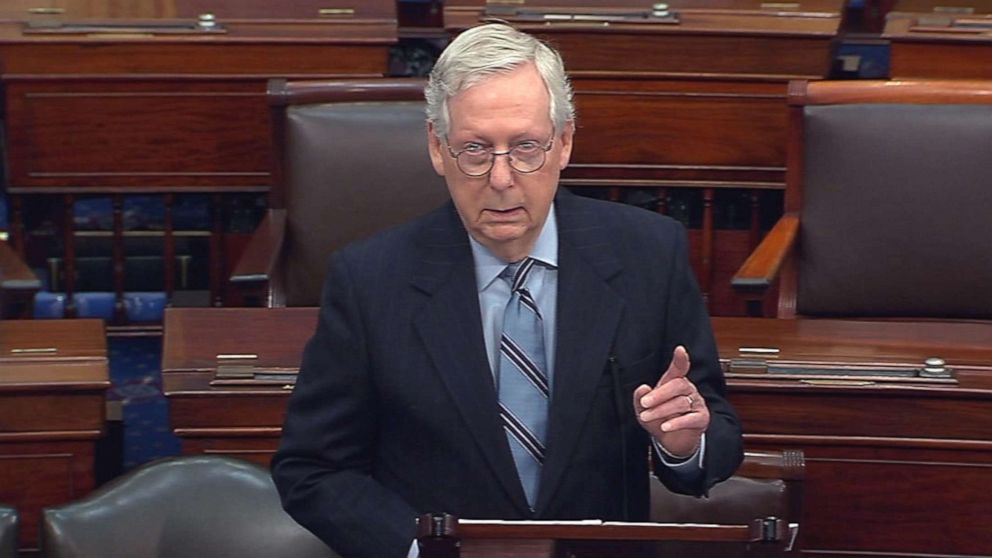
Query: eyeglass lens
[{"x": 522, "y": 158}]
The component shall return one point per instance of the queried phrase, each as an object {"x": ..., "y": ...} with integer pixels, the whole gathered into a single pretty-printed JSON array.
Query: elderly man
[{"x": 512, "y": 354}]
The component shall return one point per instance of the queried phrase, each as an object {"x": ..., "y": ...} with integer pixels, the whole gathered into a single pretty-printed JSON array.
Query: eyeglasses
[{"x": 525, "y": 157}]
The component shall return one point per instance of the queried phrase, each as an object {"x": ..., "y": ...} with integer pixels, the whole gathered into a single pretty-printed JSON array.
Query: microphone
[{"x": 618, "y": 403}]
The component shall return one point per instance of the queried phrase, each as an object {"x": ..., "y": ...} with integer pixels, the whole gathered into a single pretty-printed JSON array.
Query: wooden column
[
  {"x": 216, "y": 249},
  {"x": 117, "y": 255},
  {"x": 168, "y": 249},
  {"x": 662, "y": 201},
  {"x": 17, "y": 225},
  {"x": 754, "y": 236},
  {"x": 69, "y": 254}
]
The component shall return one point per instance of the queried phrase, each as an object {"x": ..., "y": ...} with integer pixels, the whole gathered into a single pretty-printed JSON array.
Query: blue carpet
[{"x": 136, "y": 380}]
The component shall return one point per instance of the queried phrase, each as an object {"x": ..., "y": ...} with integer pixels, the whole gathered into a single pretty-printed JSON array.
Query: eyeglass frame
[{"x": 494, "y": 154}]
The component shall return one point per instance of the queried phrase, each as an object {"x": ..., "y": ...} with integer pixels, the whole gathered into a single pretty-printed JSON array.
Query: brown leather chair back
[
  {"x": 180, "y": 508},
  {"x": 896, "y": 203},
  {"x": 352, "y": 160},
  {"x": 767, "y": 484},
  {"x": 9, "y": 522}
]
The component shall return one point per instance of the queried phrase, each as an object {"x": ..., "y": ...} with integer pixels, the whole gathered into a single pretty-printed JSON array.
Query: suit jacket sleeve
[
  {"x": 323, "y": 466},
  {"x": 688, "y": 324}
]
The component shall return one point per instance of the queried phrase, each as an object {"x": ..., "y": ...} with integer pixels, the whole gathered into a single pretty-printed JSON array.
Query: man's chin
[
  {"x": 503, "y": 232},
  {"x": 496, "y": 236}
]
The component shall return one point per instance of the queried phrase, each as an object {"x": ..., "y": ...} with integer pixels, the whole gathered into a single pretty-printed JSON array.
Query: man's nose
[{"x": 501, "y": 175}]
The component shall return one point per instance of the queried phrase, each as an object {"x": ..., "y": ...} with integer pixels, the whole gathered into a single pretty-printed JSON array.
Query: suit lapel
[
  {"x": 450, "y": 326},
  {"x": 588, "y": 315}
]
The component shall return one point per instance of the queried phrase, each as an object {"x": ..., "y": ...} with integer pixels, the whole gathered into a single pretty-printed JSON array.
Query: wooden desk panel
[
  {"x": 941, "y": 7},
  {"x": 892, "y": 468},
  {"x": 766, "y": 47},
  {"x": 20, "y": 340},
  {"x": 295, "y": 54},
  {"x": 120, "y": 121},
  {"x": 52, "y": 411},
  {"x": 19, "y": 10},
  {"x": 195, "y": 336}
]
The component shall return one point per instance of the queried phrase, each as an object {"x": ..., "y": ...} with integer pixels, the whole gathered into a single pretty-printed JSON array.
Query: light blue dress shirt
[
  {"x": 543, "y": 285},
  {"x": 542, "y": 282}
]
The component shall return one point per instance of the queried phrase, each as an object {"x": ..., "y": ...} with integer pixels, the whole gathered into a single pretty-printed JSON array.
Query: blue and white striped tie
[{"x": 523, "y": 379}]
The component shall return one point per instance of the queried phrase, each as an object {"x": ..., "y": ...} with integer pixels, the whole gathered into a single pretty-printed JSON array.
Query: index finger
[{"x": 678, "y": 368}]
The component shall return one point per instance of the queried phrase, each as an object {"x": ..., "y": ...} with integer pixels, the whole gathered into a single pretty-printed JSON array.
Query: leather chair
[
  {"x": 886, "y": 205},
  {"x": 180, "y": 508},
  {"x": 350, "y": 158},
  {"x": 768, "y": 486},
  {"x": 9, "y": 522}
]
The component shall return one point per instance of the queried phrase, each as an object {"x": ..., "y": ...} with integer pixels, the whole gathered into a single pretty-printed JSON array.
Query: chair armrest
[
  {"x": 762, "y": 266},
  {"x": 18, "y": 285},
  {"x": 15, "y": 275},
  {"x": 788, "y": 464},
  {"x": 258, "y": 261}
]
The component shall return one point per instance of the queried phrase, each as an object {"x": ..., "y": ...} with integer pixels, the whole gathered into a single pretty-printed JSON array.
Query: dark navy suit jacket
[{"x": 395, "y": 413}]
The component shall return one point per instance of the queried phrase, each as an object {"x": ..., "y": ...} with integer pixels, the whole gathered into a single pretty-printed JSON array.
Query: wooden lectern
[{"x": 445, "y": 536}]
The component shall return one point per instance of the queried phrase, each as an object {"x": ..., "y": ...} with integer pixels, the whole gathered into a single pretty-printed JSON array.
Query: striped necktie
[{"x": 523, "y": 379}]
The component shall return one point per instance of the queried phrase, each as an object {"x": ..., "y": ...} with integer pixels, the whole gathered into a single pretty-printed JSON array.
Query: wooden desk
[
  {"x": 891, "y": 467},
  {"x": 152, "y": 104},
  {"x": 243, "y": 422},
  {"x": 53, "y": 381},
  {"x": 940, "y": 39}
]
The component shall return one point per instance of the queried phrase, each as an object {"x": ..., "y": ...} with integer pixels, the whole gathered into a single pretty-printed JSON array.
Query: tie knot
[{"x": 516, "y": 273}]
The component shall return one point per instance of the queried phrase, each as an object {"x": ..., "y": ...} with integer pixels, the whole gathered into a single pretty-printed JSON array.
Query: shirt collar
[{"x": 488, "y": 266}]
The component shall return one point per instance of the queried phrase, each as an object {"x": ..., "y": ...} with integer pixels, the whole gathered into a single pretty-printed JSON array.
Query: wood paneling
[
  {"x": 292, "y": 56},
  {"x": 34, "y": 475},
  {"x": 927, "y": 507}
]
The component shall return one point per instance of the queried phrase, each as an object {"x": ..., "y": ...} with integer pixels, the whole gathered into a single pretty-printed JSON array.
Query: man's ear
[
  {"x": 436, "y": 149},
  {"x": 565, "y": 154}
]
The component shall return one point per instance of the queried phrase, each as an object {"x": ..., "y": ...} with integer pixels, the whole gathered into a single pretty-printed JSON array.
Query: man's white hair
[{"x": 491, "y": 49}]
